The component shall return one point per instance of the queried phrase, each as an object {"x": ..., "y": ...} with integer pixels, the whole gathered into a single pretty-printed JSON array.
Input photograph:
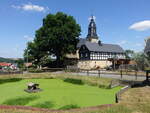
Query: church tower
[{"x": 92, "y": 35}]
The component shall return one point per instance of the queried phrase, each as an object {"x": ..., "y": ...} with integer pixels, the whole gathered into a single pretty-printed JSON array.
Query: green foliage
[
  {"x": 6, "y": 60},
  {"x": 129, "y": 54},
  {"x": 71, "y": 106},
  {"x": 35, "y": 70},
  {"x": 74, "y": 81},
  {"x": 20, "y": 63},
  {"x": 46, "y": 104},
  {"x": 3, "y": 81},
  {"x": 58, "y": 36},
  {"x": 20, "y": 100},
  {"x": 141, "y": 60},
  {"x": 104, "y": 86}
]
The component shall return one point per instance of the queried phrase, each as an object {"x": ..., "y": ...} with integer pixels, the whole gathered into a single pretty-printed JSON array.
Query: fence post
[
  {"x": 87, "y": 72},
  {"x": 147, "y": 75},
  {"x": 121, "y": 73},
  {"x": 116, "y": 96},
  {"x": 99, "y": 73},
  {"x": 135, "y": 75}
]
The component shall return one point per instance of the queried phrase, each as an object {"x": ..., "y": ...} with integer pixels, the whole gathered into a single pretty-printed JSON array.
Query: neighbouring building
[
  {"x": 92, "y": 53},
  {"x": 5, "y": 65}
]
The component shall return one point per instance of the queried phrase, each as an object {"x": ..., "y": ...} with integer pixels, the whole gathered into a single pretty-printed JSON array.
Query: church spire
[{"x": 92, "y": 30}]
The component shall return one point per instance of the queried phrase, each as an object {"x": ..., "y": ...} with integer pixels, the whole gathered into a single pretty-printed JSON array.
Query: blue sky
[{"x": 123, "y": 22}]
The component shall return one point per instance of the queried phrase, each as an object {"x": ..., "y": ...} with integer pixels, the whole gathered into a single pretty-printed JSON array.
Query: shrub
[
  {"x": 71, "y": 106},
  {"x": 35, "y": 70},
  {"x": 2, "y": 81},
  {"x": 104, "y": 86},
  {"x": 46, "y": 104},
  {"x": 74, "y": 81}
]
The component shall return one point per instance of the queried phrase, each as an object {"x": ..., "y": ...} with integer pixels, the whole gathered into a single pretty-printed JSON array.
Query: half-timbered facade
[{"x": 93, "y": 53}]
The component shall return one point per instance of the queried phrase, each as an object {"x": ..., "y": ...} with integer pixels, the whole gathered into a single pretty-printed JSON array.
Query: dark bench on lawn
[{"x": 33, "y": 88}]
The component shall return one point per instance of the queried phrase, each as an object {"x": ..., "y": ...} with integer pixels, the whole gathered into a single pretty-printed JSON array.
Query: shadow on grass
[
  {"x": 20, "y": 100},
  {"x": 71, "y": 106},
  {"x": 46, "y": 104},
  {"x": 3, "y": 81}
]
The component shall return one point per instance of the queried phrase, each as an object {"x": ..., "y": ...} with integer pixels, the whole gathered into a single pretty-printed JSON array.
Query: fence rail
[
  {"x": 10, "y": 72},
  {"x": 120, "y": 73},
  {"x": 99, "y": 72}
]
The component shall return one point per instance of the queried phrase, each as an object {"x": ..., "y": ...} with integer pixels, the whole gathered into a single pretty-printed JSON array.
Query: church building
[{"x": 92, "y": 53}]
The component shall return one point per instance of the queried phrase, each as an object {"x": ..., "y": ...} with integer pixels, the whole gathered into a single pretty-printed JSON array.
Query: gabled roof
[
  {"x": 81, "y": 42},
  {"x": 147, "y": 47},
  {"x": 4, "y": 64},
  {"x": 101, "y": 48}
]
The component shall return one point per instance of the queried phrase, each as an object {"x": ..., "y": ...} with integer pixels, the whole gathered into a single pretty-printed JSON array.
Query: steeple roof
[{"x": 92, "y": 29}]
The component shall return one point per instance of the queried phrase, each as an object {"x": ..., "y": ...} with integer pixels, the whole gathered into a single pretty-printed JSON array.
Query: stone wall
[{"x": 94, "y": 64}]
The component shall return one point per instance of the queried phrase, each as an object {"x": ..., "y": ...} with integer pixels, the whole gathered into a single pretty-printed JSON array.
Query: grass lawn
[{"x": 56, "y": 94}]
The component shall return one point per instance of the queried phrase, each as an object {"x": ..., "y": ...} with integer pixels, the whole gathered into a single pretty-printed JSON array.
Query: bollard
[{"x": 135, "y": 75}]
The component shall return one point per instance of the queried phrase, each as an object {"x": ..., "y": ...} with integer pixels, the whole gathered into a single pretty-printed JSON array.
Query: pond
[{"x": 55, "y": 94}]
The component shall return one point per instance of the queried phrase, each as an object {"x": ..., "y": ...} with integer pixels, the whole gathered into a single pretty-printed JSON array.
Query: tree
[
  {"x": 129, "y": 54},
  {"x": 34, "y": 53},
  {"x": 20, "y": 62},
  {"x": 58, "y": 36}
]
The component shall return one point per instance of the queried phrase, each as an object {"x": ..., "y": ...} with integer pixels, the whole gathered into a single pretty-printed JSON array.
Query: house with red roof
[{"x": 5, "y": 65}]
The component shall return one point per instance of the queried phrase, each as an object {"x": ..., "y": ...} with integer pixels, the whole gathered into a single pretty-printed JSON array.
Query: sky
[{"x": 123, "y": 22}]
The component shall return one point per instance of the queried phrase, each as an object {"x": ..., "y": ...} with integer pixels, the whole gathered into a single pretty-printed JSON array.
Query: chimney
[{"x": 99, "y": 43}]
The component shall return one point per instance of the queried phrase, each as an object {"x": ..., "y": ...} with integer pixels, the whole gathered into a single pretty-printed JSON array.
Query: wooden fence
[
  {"x": 10, "y": 72},
  {"x": 120, "y": 73}
]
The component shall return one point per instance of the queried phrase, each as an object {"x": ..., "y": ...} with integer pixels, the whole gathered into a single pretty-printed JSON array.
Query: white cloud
[
  {"x": 123, "y": 42},
  {"x": 28, "y": 38},
  {"x": 31, "y": 7},
  {"x": 141, "y": 26},
  {"x": 139, "y": 44}
]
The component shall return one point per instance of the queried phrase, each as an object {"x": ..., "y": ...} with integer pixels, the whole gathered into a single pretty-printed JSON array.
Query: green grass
[{"x": 56, "y": 94}]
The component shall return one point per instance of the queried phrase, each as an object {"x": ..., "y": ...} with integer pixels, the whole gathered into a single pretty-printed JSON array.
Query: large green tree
[
  {"x": 129, "y": 54},
  {"x": 58, "y": 36}
]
